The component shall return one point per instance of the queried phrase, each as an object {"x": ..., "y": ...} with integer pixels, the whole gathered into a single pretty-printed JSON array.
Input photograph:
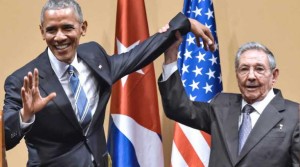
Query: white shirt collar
[
  {"x": 259, "y": 106},
  {"x": 60, "y": 67}
]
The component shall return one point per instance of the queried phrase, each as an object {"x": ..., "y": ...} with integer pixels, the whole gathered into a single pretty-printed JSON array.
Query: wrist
[
  {"x": 170, "y": 59},
  {"x": 25, "y": 116}
]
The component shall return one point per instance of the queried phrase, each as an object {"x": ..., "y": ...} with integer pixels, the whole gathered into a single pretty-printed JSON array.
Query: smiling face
[
  {"x": 254, "y": 75},
  {"x": 62, "y": 31}
]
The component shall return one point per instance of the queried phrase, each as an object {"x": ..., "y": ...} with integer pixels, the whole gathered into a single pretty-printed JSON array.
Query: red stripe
[
  {"x": 185, "y": 148},
  {"x": 207, "y": 137}
]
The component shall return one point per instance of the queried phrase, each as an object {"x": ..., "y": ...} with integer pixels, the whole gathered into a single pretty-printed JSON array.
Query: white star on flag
[
  {"x": 183, "y": 82},
  {"x": 209, "y": 14},
  {"x": 200, "y": 57},
  {"x": 185, "y": 69},
  {"x": 194, "y": 85},
  {"x": 207, "y": 88},
  {"x": 197, "y": 71},
  {"x": 192, "y": 98},
  {"x": 190, "y": 40},
  {"x": 211, "y": 74},
  {"x": 187, "y": 54},
  {"x": 122, "y": 49},
  {"x": 197, "y": 12},
  {"x": 213, "y": 60}
]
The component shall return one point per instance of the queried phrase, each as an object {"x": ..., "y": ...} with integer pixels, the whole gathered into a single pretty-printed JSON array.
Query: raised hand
[
  {"x": 201, "y": 31},
  {"x": 31, "y": 99}
]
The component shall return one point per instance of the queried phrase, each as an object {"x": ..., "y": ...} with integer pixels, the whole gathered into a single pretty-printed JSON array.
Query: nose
[
  {"x": 60, "y": 36},
  {"x": 251, "y": 74}
]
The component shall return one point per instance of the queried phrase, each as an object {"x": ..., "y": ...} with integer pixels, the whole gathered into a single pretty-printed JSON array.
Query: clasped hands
[{"x": 199, "y": 30}]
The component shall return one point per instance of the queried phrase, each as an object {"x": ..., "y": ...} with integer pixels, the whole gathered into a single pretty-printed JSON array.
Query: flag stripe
[
  {"x": 198, "y": 143},
  {"x": 177, "y": 159},
  {"x": 121, "y": 144},
  {"x": 137, "y": 135},
  {"x": 185, "y": 147},
  {"x": 207, "y": 137}
]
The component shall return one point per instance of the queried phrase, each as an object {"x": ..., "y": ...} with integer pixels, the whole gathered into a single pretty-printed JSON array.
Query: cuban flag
[
  {"x": 201, "y": 76},
  {"x": 134, "y": 132}
]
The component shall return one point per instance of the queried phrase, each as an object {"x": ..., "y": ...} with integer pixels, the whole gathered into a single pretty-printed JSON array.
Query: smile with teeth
[{"x": 60, "y": 47}]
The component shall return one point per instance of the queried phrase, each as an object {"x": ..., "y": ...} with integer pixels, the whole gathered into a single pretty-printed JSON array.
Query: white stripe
[
  {"x": 86, "y": 110},
  {"x": 176, "y": 159},
  {"x": 147, "y": 144},
  {"x": 198, "y": 142}
]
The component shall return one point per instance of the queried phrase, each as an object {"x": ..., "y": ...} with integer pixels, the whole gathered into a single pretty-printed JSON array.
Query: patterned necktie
[
  {"x": 82, "y": 110},
  {"x": 246, "y": 126}
]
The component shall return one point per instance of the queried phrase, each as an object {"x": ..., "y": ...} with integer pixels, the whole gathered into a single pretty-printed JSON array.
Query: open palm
[{"x": 31, "y": 98}]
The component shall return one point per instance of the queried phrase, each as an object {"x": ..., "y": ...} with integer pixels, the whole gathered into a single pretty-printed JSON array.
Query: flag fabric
[
  {"x": 134, "y": 130},
  {"x": 201, "y": 76}
]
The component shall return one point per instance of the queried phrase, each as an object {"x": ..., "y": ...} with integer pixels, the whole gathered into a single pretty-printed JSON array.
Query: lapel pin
[
  {"x": 280, "y": 126},
  {"x": 100, "y": 66}
]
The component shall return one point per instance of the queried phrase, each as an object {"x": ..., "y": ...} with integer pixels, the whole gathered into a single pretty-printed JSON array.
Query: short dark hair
[{"x": 62, "y": 4}]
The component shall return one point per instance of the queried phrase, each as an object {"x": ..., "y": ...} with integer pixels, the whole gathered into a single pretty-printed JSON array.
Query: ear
[
  {"x": 42, "y": 32},
  {"x": 275, "y": 74},
  {"x": 84, "y": 28}
]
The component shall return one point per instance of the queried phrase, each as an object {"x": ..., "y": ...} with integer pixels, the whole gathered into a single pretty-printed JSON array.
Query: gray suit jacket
[
  {"x": 56, "y": 138},
  {"x": 273, "y": 141}
]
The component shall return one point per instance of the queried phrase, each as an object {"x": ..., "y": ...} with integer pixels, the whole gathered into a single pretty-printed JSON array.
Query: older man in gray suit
[{"x": 264, "y": 135}]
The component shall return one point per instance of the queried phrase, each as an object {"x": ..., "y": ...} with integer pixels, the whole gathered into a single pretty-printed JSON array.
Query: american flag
[{"x": 201, "y": 76}]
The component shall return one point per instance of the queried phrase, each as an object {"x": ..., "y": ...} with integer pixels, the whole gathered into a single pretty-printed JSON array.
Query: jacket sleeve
[
  {"x": 295, "y": 149},
  {"x": 12, "y": 107},
  {"x": 177, "y": 106},
  {"x": 148, "y": 50}
]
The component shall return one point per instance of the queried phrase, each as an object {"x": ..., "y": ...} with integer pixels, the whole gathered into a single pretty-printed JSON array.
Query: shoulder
[
  {"x": 91, "y": 48},
  {"x": 286, "y": 102},
  {"x": 289, "y": 109},
  {"x": 90, "y": 45}
]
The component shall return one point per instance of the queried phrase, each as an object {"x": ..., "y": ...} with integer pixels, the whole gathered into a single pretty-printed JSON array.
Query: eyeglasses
[{"x": 245, "y": 70}]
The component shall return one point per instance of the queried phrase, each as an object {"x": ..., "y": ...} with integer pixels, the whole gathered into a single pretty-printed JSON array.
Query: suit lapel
[
  {"x": 268, "y": 119},
  {"x": 50, "y": 83},
  {"x": 97, "y": 62},
  {"x": 230, "y": 125}
]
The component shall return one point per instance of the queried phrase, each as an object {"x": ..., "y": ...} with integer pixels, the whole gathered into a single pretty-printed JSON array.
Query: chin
[
  {"x": 250, "y": 98},
  {"x": 64, "y": 59}
]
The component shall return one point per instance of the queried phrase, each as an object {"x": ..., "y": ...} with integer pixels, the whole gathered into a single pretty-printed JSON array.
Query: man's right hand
[{"x": 31, "y": 98}]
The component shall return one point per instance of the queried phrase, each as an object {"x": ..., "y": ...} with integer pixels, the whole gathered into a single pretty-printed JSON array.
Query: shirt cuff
[
  {"x": 25, "y": 125},
  {"x": 168, "y": 70}
]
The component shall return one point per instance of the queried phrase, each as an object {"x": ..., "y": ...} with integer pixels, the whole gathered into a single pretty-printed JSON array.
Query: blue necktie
[
  {"x": 82, "y": 110},
  {"x": 246, "y": 126}
]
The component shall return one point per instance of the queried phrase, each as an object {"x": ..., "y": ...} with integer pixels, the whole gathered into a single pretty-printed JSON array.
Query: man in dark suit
[
  {"x": 43, "y": 107},
  {"x": 272, "y": 121}
]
